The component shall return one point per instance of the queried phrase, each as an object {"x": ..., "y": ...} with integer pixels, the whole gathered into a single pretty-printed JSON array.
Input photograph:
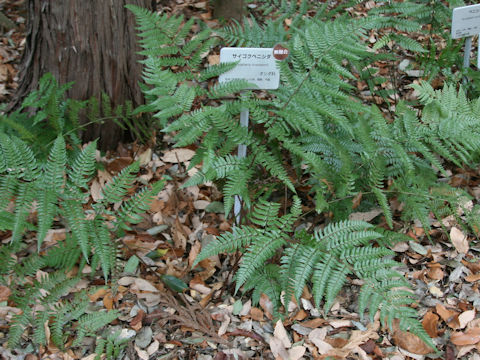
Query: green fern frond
[
  {"x": 90, "y": 323},
  {"x": 239, "y": 238},
  {"x": 257, "y": 253},
  {"x": 75, "y": 216},
  {"x": 83, "y": 166},
  {"x": 130, "y": 210},
  {"x": 104, "y": 246},
  {"x": 118, "y": 187}
]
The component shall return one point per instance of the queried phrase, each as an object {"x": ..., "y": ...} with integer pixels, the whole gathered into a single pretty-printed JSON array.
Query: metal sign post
[
  {"x": 466, "y": 23},
  {"x": 258, "y": 66},
  {"x": 241, "y": 153}
]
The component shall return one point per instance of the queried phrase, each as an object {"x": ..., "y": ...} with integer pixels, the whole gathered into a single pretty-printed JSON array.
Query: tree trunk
[
  {"x": 93, "y": 44},
  {"x": 228, "y": 9}
]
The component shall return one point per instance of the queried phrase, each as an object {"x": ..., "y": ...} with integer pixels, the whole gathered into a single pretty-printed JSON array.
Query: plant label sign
[
  {"x": 466, "y": 21},
  {"x": 258, "y": 66}
]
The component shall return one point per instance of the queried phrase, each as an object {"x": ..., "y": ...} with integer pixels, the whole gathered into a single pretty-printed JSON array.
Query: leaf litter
[{"x": 204, "y": 321}]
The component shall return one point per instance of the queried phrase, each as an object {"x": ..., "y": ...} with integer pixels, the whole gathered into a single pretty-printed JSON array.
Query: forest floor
[{"x": 207, "y": 321}]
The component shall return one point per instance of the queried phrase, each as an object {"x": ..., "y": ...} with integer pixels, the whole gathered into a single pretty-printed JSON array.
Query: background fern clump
[
  {"x": 57, "y": 192},
  {"x": 314, "y": 133},
  {"x": 47, "y": 113},
  {"x": 325, "y": 259}
]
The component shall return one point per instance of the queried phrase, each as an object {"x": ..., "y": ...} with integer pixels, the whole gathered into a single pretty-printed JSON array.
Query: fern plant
[
  {"x": 43, "y": 307},
  {"x": 46, "y": 113},
  {"x": 59, "y": 188},
  {"x": 324, "y": 259},
  {"x": 330, "y": 140}
]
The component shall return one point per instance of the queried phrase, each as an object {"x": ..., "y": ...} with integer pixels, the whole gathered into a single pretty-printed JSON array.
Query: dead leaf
[
  {"x": 178, "y": 155},
  {"x": 448, "y": 315},
  {"x": 408, "y": 341},
  {"x": 459, "y": 240},
  {"x": 96, "y": 190},
  {"x": 435, "y": 271},
  {"x": 267, "y": 306},
  {"x": 296, "y": 352},
  {"x": 5, "y": 293},
  {"x": 100, "y": 293},
  {"x": 201, "y": 204},
  {"x": 145, "y": 157},
  {"x": 317, "y": 337},
  {"x": 153, "y": 347},
  {"x": 281, "y": 334},
  {"x": 194, "y": 251},
  {"x": 55, "y": 235},
  {"x": 118, "y": 164},
  {"x": 469, "y": 337},
  {"x": 314, "y": 323},
  {"x": 108, "y": 301},
  {"x": 365, "y": 216},
  {"x": 278, "y": 350},
  {"x": 340, "y": 323},
  {"x": 430, "y": 323},
  {"x": 472, "y": 277},
  {"x": 213, "y": 59},
  {"x": 143, "y": 285},
  {"x": 465, "y": 317},
  {"x": 256, "y": 314},
  {"x": 136, "y": 322}
]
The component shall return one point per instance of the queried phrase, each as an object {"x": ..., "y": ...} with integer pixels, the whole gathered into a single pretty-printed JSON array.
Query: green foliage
[
  {"x": 46, "y": 114},
  {"x": 314, "y": 131},
  {"x": 61, "y": 190},
  {"x": 59, "y": 187},
  {"x": 325, "y": 259},
  {"x": 43, "y": 307},
  {"x": 110, "y": 347}
]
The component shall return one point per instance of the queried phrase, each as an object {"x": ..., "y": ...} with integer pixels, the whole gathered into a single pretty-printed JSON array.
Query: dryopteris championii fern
[
  {"x": 325, "y": 259},
  {"x": 337, "y": 145}
]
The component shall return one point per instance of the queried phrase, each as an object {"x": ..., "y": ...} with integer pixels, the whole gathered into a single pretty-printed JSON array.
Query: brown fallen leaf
[
  {"x": 317, "y": 337},
  {"x": 281, "y": 334},
  {"x": 459, "y": 240},
  {"x": 314, "y": 323},
  {"x": 472, "y": 277},
  {"x": 465, "y": 317},
  {"x": 108, "y": 301},
  {"x": 5, "y": 292},
  {"x": 278, "y": 349},
  {"x": 469, "y": 337},
  {"x": 448, "y": 315},
  {"x": 474, "y": 267},
  {"x": 178, "y": 155},
  {"x": 250, "y": 334},
  {"x": 256, "y": 314},
  {"x": 430, "y": 324},
  {"x": 100, "y": 293},
  {"x": 136, "y": 322},
  {"x": 435, "y": 271},
  {"x": 408, "y": 341}
]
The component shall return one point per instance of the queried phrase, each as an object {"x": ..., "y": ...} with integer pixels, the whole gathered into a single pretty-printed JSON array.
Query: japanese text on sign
[
  {"x": 466, "y": 21},
  {"x": 256, "y": 65}
]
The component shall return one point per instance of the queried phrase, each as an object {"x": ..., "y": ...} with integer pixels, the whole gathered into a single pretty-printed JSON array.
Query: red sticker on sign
[{"x": 280, "y": 52}]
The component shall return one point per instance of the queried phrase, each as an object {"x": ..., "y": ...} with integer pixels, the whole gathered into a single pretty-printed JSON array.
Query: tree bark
[
  {"x": 93, "y": 44},
  {"x": 228, "y": 9}
]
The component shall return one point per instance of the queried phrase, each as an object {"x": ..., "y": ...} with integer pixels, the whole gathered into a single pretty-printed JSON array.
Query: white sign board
[
  {"x": 256, "y": 65},
  {"x": 466, "y": 21}
]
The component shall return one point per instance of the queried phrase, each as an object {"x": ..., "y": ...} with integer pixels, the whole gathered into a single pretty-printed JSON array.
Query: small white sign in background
[
  {"x": 466, "y": 21},
  {"x": 256, "y": 65}
]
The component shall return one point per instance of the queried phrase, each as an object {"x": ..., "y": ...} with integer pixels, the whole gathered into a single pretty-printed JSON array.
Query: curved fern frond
[{"x": 118, "y": 187}]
